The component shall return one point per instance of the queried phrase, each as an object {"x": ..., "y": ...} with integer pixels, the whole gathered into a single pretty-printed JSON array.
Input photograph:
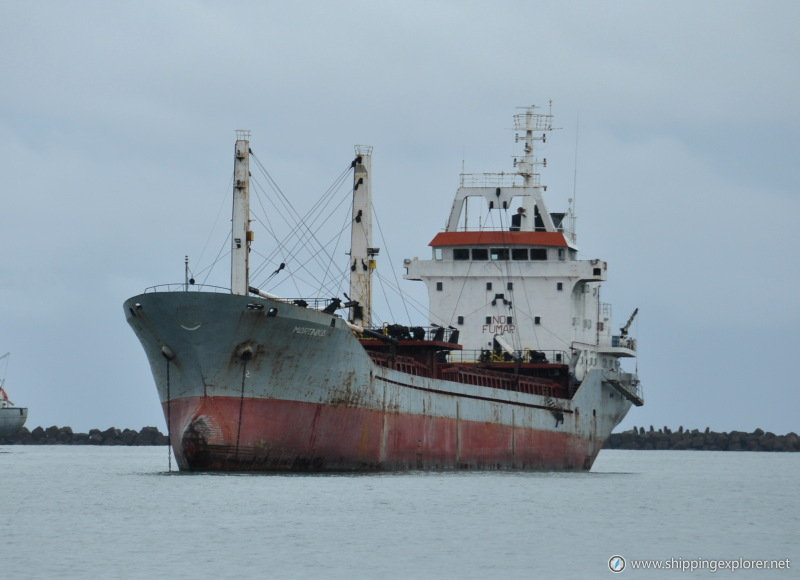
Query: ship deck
[{"x": 432, "y": 358}]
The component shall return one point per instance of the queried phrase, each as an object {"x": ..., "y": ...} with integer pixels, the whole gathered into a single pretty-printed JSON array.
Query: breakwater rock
[
  {"x": 64, "y": 436},
  {"x": 636, "y": 438},
  {"x": 665, "y": 438}
]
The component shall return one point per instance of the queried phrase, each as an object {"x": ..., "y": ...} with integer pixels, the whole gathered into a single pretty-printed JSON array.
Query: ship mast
[
  {"x": 241, "y": 236},
  {"x": 500, "y": 189},
  {"x": 4, "y": 402},
  {"x": 362, "y": 254},
  {"x": 534, "y": 127}
]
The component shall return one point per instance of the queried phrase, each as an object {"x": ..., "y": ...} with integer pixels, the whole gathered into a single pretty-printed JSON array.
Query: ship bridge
[{"x": 505, "y": 270}]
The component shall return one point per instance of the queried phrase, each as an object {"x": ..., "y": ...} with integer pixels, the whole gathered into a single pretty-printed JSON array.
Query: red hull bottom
[{"x": 231, "y": 434}]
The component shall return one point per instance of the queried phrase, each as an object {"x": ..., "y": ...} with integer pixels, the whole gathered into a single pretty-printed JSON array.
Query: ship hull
[
  {"x": 250, "y": 384},
  {"x": 12, "y": 419},
  {"x": 275, "y": 435}
]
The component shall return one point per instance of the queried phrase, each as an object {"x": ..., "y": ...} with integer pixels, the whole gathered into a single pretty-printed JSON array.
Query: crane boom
[{"x": 623, "y": 332}]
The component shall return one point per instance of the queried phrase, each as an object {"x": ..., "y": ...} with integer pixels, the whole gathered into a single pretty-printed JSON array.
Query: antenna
[{"x": 575, "y": 177}]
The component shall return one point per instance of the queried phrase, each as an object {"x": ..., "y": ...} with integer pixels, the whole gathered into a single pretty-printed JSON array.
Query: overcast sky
[{"x": 116, "y": 152}]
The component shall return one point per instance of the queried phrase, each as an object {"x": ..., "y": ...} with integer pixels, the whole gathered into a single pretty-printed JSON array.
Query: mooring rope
[
  {"x": 169, "y": 422},
  {"x": 241, "y": 407}
]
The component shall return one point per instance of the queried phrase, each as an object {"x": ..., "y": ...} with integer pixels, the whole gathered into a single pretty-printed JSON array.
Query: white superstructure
[{"x": 505, "y": 272}]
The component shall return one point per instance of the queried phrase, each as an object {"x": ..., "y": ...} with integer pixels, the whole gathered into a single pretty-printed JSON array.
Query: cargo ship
[
  {"x": 12, "y": 418},
  {"x": 516, "y": 368}
]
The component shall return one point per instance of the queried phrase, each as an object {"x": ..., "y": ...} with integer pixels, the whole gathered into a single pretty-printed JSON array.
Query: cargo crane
[{"x": 623, "y": 332}]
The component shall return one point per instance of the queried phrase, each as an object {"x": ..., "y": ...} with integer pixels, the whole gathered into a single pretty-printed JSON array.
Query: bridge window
[
  {"x": 480, "y": 254},
  {"x": 461, "y": 254},
  {"x": 537, "y": 319},
  {"x": 439, "y": 286},
  {"x": 510, "y": 286},
  {"x": 461, "y": 320},
  {"x": 499, "y": 253},
  {"x": 538, "y": 254},
  {"x": 519, "y": 254},
  {"x": 488, "y": 285},
  {"x": 559, "y": 286},
  {"x": 437, "y": 253}
]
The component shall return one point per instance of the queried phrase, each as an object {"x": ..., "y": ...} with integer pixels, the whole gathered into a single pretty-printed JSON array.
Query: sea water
[{"x": 117, "y": 512}]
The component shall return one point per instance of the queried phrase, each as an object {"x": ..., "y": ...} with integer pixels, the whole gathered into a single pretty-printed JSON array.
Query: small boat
[{"x": 12, "y": 418}]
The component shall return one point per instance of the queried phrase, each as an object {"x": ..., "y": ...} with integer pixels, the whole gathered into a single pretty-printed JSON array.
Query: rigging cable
[
  {"x": 389, "y": 258},
  {"x": 303, "y": 223},
  {"x": 169, "y": 419},
  {"x": 416, "y": 305},
  {"x": 316, "y": 255},
  {"x": 303, "y": 265},
  {"x": 338, "y": 238},
  {"x": 216, "y": 221},
  {"x": 245, "y": 356},
  {"x": 509, "y": 286},
  {"x": 300, "y": 221},
  {"x": 220, "y": 255},
  {"x": 460, "y": 292},
  {"x": 575, "y": 176}
]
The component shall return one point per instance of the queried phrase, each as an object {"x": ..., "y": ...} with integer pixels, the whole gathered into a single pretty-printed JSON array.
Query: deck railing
[
  {"x": 183, "y": 287},
  {"x": 314, "y": 303},
  {"x": 623, "y": 342},
  {"x": 525, "y": 355}
]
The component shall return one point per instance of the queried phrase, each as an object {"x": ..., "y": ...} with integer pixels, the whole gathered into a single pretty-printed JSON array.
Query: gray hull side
[{"x": 12, "y": 420}]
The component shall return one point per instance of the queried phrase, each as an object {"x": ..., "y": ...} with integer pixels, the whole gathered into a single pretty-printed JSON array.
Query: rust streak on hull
[{"x": 277, "y": 435}]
